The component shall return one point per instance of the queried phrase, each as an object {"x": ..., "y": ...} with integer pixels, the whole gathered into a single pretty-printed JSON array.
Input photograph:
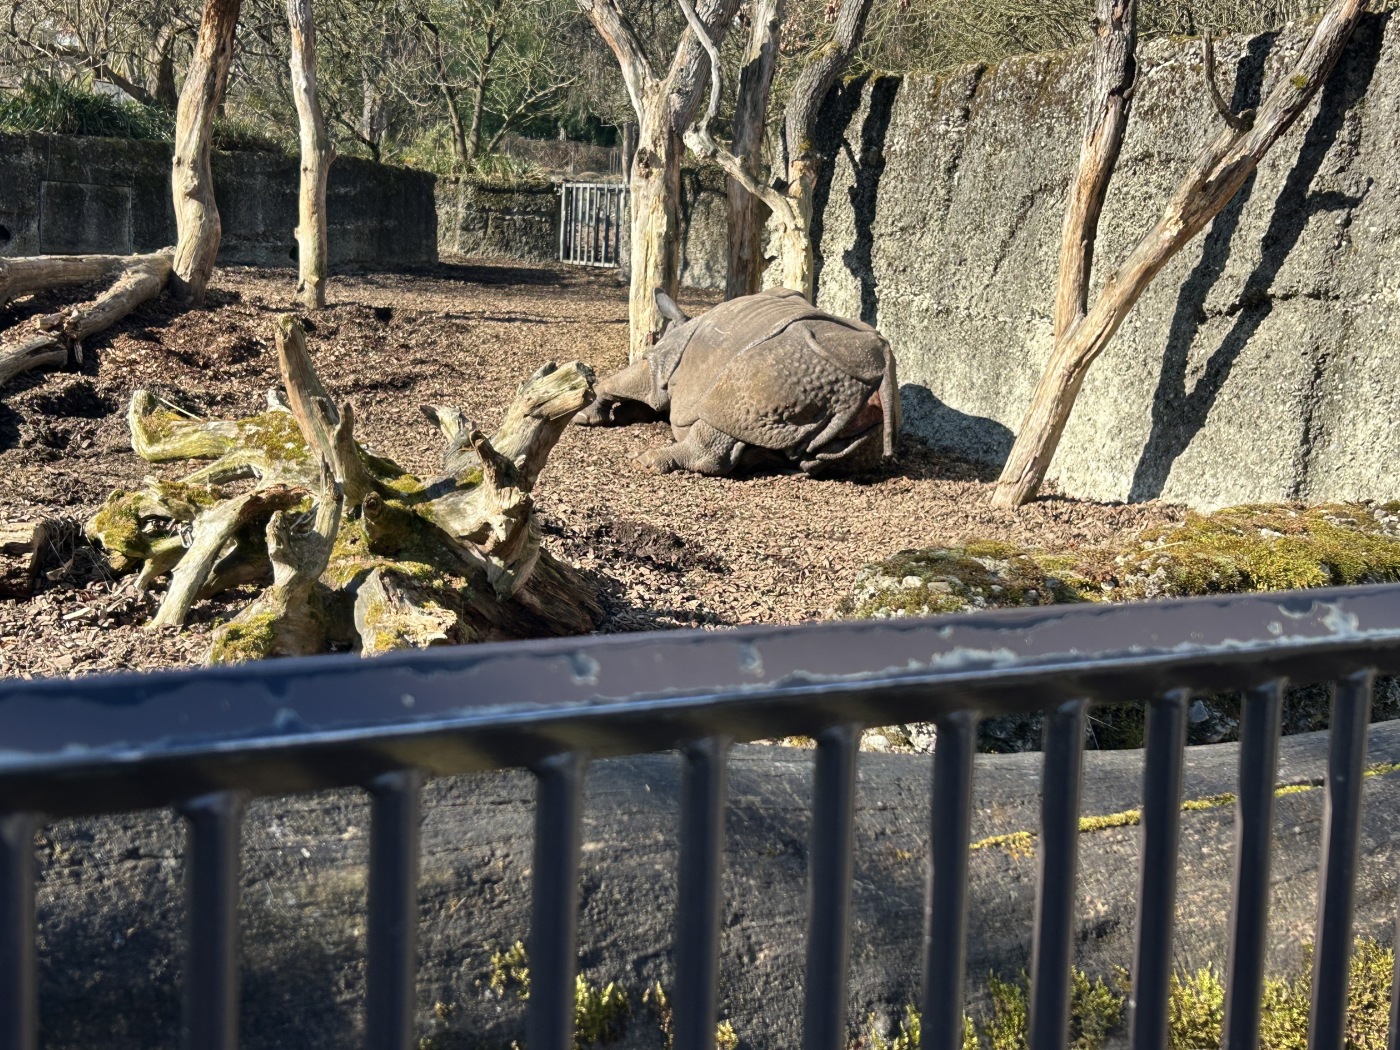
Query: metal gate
[{"x": 591, "y": 218}]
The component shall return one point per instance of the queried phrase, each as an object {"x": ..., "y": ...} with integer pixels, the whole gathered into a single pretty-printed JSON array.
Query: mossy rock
[{"x": 1257, "y": 547}]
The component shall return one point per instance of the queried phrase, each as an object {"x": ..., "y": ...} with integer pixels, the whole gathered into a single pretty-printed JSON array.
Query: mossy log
[{"x": 359, "y": 552}]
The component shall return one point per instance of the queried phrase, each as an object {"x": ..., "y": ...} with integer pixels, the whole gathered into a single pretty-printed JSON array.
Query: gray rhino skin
[{"x": 760, "y": 381}]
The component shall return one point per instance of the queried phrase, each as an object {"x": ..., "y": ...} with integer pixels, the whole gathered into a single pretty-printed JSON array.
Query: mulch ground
[{"x": 672, "y": 551}]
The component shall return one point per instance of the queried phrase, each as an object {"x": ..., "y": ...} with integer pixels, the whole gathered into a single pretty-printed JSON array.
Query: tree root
[{"x": 358, "y": 550}]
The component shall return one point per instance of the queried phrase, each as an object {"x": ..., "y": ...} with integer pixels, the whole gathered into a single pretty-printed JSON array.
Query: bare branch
[
  {"x": 615, "y": 29},
  {"x": 1242, "y": 122},
  {"x": 698, "y": 136}
]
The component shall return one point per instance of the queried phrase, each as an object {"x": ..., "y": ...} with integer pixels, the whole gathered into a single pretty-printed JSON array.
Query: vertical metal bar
[
  {"x": 563, "y": 214},
  {"x": 592, "y": 225},
  {"x": 830, "y": 866},
  {"x": 1254, "y": 834},
  {"x": 1336, "y": 886},
  {"x": 1053, "y": 951},
  {"x": 1393, "y": 1039},
  {"x": 211, "y": 921},
  {"x": 18, "y": 993},
  {"x": 1161, "y": 833},
  {"x": 554, "y": 916},
  {"x": 704, "y": 789},
  {"x": 392, "y": 962},
  {"x": 945, "y": 910}
]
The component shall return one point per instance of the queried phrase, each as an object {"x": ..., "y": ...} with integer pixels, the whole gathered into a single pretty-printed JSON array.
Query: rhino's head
[{"x": 638, "y": 393}]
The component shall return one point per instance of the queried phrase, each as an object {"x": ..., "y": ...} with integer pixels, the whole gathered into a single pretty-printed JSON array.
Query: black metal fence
[{"x": 204, "y": 741}]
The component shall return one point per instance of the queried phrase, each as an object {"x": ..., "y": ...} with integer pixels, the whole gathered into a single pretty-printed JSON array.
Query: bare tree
[
  {"x": 746, "y": 212},
  {"x": 317, "y": 153},
  {"x": 1083, "y": 331},
  {"x": 196, "y": 216},
  {"x": 789, "y": 191},
  {"x": 665, "y": 106}
]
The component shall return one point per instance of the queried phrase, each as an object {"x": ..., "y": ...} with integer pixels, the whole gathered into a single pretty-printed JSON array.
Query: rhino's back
[{"x": 774, "y": 371}]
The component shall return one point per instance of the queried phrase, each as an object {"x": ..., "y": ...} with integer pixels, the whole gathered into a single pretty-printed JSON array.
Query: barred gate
[{"x": 591, "y": 218}]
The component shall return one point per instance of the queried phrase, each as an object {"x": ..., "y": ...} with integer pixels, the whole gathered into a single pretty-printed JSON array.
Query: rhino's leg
[
  {"x": 854, "y": 455},
  {"x": 704, "y": 450},
  {"x": 623, "y": 399}
]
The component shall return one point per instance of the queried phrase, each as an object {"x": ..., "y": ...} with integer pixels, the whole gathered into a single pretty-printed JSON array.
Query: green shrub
[{"x": 61, "y": 108}]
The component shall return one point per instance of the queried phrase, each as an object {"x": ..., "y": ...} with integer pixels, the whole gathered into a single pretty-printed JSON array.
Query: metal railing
[
  {"x": 204, "y": 741},
  {"x": 591, "y": 218}
]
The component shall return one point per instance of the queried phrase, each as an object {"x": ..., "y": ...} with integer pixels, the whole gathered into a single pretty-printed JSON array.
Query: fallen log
[
  {"x": 359, "y": 552},
  {"x": 56, "y": 340},
  {"x": 21, "y": 554}
]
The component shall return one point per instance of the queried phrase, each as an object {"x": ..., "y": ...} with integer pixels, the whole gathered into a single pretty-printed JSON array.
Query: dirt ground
[{"x": 672, "y": 551}]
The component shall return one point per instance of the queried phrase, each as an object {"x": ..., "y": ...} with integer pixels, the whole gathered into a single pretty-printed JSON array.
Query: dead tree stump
[{"x": 351, "y": 550}]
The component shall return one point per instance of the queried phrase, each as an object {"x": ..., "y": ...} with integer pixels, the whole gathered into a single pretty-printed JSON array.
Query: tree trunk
[
  {"x": 796, "y": 255},
  {"x": 53, "y": 340},
  {"x": 42, "y": 273},
  {"x": 454, "y": 118},
  {"x": 655, "y": 247},
  {"x": 1214, "y": 178},
  {"x": 747, "y": 213},
  {"x": 317, "y": 153},
  {"x": 473, "y": 147},
  {"x": 192, "y": 185},
  {"x": 451, "y": 559},
  {"x": 22, "y": 545}
]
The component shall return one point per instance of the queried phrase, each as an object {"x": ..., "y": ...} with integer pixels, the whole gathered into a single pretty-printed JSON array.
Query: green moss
[
  {"x": 1009, "y": 1023},
  {"x": 601, "y": 1013},
  {"x": 276, "y": 435},
  {"x": 1195, "y": 1010},
  {"x": 1247, "y": 548},
  {"x": 1299, "y": 81},
  {"x": 251, "y": 638},
  {"x": 660, "y": 1003}
]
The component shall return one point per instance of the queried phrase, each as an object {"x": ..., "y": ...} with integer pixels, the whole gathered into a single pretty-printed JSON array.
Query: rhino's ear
[{"x": 668, "y": 308}]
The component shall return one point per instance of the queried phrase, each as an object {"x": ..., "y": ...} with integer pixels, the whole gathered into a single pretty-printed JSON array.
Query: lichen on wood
[{"x": 358, "y": 551}]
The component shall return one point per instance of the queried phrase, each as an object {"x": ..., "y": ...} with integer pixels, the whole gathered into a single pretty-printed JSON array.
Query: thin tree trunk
[
  {"x": 317, "y": 153},
  {"x": 655, "y": 248},
  {"x": 1215, "y": 177},
  {"x": 473, "y": 145},
  {"x": 747, "y": 213},
  {"x": 192, "y": 185}
]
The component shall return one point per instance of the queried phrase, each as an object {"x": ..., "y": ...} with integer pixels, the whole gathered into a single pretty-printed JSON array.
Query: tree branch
[
  {"x": 1244, "y": 121},
  {"x": 615, "y": 29}
]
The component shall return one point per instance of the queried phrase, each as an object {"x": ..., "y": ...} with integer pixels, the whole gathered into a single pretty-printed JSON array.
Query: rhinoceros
[{"x": 760, "y": 381}]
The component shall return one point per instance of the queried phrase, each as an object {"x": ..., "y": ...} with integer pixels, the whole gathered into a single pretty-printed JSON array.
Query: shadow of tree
[
  {"x": 833, "y": 123},
  {"x": 1179, "y": 415}
]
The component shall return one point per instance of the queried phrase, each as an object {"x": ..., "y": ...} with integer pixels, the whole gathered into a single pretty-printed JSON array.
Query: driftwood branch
[
  {"x": 57, "y": 339},
  {"x": 1216, "y": 175},
  {"x": 383, "y": 559}
]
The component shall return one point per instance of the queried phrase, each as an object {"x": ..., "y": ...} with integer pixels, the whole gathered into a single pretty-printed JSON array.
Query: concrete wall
[
  {"x": 516, "y": 223},
  {"x": 1261, "y": 364},
  {"x": 66, "y": 194}
]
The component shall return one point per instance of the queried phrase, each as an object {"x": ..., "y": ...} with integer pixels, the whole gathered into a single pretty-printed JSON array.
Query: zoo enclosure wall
[
  {"x": 76, "y": 194},
  {"x": 206, "y": 740}
]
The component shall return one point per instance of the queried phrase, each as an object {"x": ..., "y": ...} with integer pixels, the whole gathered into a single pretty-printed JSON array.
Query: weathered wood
[
  {"x": 192, "y": 185},
  {"x": 21, "y": 553},
  {"x": 289, "y": 618},
  {"x": 317, "y": 153},
  {"x": 746, "y": 212},
  {"x": 41, "y": 273},
  {"x": 213, "y": 531},
  {"x": 453, "y": 559},
  {"x": 56, "y": 339},
  {"x": 1214, "y": 178},
  {"x": 665, "y": 107}
]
